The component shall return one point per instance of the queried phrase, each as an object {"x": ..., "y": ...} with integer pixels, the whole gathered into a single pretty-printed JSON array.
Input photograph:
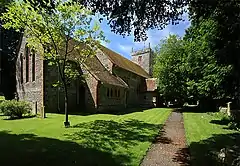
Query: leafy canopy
[
  {"x": 65, "y": 37},
  {"x": 189, "y": 67},
  {"x": 206, "y": 76},
  {"x": 55, "y": 29},
  {"x": 59, "y": 36},
  {"x": 126, "y": 16},
  {"x": 168, "y": 67}
]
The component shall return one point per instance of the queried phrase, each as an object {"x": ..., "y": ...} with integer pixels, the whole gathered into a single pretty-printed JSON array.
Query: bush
[
  {"x": 15, "y": 109},
  {"x": 2, "y": 98}
]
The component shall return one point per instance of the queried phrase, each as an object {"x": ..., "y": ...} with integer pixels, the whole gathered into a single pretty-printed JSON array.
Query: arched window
[
  {"x": 139, "y": 59},
  {"x": 33, "y": 65},
  {"x": 21, "y": 65},
  {"x": 27, "y": 51}
]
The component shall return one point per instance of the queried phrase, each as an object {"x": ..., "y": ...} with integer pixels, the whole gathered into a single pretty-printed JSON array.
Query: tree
[
  {"x": 9, "y": 40},
  {"x": 226, "y": 15},
  {"x": 206, "y": 77},
  {"x": 127, "y": 15},
  {"x": 66, "y": 34},
  {"x": 189, "y": 67},
  {"x": 168, "y": 68}
]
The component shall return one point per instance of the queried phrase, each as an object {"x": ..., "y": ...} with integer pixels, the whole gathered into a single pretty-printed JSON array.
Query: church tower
[{"x": 144, "y": 58}]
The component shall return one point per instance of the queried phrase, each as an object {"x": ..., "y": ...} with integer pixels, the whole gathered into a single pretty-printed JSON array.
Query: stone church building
[{"x": 112, "y": 82}]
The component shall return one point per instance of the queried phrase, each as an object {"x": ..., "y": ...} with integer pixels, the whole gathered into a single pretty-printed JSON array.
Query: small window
[
  {"x": 21, "y": 67},
  {"x": 33, "y": 66},
  {"x": 111, "y": 93},
  {"x": 140, "y": 59},
  {"x": 27, "y": 62},
  {"x": 107, "y": 92},
  {"x": 145, "y": 97}
]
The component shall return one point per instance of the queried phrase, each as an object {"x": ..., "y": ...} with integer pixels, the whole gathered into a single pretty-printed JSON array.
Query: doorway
[{"x": 81, "y": 98}]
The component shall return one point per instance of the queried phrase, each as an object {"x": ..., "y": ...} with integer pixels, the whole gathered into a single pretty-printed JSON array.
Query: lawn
[
  {"x": 206, "y": 135},
  {"x": 100, "y": 139}
]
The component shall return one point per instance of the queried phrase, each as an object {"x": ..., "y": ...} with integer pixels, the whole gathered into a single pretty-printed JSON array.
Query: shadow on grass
[
  {"x": 195, "y": 109},
  {"x": 108, "y": 135},
  {"x": 29, "y": 149},
  {"x": 112, "y": 112},
  {"x": 206, "y": 151},
  {"x": 221, "y": 121},
  {"x": 124, "y": 111},
  {"x": 16, "y": 118}
]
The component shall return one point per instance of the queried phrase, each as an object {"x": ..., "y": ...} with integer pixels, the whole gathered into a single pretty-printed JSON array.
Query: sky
[{"x": 124, "y": 45}]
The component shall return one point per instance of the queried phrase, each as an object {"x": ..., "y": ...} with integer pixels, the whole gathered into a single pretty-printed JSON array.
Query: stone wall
[
  {"x": 136, "y": 86},
  {"x": 53, "y": 100},
  {"x": 82, "y": 94},
  {"x": 104, "y": 59},
  {"x": 91, "y": 90},
  {"x": 111, "y": 97},
  {"x": 88, "y": 95},
  {"x": 149, "y": 99},
  {"x": 138, "y": 94},
  {"x": 30, "y": 89},
  {"x": 145, "y": 59}
]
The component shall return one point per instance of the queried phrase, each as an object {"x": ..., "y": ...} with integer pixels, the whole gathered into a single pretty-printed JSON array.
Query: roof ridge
[
  {"x": 121, "y": 56},
  {"x": 142, "y": 73},
  {"x": 98, "y": 74}
]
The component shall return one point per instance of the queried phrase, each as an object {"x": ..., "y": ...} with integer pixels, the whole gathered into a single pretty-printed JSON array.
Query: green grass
[
  {"x": 100, "y": 139},
  {"x": 206, "y": 135}
]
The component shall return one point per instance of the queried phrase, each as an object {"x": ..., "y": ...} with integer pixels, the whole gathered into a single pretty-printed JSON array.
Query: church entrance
[{"x": 81, "y": 98}]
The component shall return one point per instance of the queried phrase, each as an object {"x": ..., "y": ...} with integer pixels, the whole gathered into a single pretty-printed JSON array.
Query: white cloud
[
  {"x": 126, "y": 49},
  {"x": 124, "y": 45},
  {"x": 154, "y": 37}
]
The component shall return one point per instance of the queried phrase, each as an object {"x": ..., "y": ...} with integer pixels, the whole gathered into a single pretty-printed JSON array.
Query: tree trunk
[{"x": 66, "y": 123}]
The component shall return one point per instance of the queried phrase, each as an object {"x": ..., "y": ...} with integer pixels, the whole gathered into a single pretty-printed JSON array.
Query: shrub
[
  {"x": 2, "y": 98},
  {"x": 15, "y": 109}
]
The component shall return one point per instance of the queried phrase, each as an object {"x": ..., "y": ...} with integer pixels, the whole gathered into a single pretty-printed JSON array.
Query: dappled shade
[
  {"x": 29, "y": 149},
  {"x": 99, "y": 142},
  {"x": 108, "y": 135},
  {"x": 206, "y": 151}
]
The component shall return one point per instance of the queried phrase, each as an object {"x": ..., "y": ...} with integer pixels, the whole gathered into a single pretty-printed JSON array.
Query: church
[{"x": 111, "y": 82}]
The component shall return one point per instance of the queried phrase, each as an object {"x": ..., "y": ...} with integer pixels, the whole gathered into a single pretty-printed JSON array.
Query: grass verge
[
  {"x": 100, "y": 139},
  {"x": 206, "y": 135}
]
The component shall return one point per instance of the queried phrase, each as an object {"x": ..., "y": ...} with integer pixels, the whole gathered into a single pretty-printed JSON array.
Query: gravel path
[{"x": 169, "y": 149}]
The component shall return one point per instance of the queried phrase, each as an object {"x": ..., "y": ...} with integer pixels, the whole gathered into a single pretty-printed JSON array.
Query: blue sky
[{"x": 124, "y": 45}]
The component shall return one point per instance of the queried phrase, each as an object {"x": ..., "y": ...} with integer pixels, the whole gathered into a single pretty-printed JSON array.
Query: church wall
[
  {"x": 144, "y": 58},
  {"x": 111, "y": 97},
  {"x": 136, "y": 86}
]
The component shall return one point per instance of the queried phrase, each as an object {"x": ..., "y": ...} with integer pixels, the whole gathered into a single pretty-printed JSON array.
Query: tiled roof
[
  {"x": 124, "y": 63},
  {"x": 98, "y": 70}
]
